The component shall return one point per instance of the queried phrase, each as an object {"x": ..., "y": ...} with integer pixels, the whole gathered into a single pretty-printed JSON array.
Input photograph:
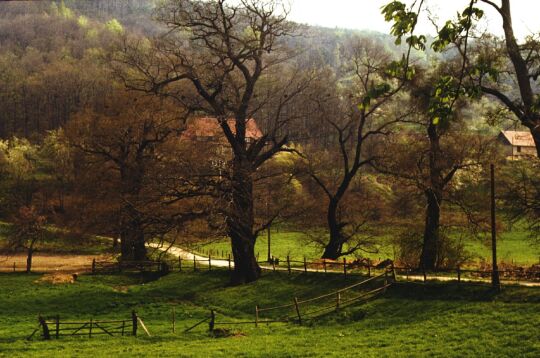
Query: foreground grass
[{"x": 410, "y": 320}]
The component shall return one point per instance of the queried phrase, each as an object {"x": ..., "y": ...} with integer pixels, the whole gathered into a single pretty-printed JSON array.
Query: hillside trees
[
  {"x": 429, "y": 155},
  {"x": 28, "y": 174},
  {"x": 50, "y": 67},
  {"x": 358, "y": 111},
  {"x": 226, "y": 52},
  {"x": 125, "y": 143},
  {"x": 27, "y": 230},
  {"x": 489, "y": 63},
  {"x": 519, "y": 190}
]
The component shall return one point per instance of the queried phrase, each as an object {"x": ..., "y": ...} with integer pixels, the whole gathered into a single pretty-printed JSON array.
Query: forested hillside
[{"x": 53, "y": 54}]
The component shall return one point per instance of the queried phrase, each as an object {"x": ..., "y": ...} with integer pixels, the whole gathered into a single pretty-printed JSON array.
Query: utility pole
[
  {"x": 495, "y": 281},
  {"x": 269, "y": 258},
  {"x": 268, "y": 234}
]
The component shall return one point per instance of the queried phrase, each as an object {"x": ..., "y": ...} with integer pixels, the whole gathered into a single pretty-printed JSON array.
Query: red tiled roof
[{"x": 207, "y": 127}]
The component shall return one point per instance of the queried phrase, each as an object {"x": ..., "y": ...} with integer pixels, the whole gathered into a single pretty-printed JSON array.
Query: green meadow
[{"x": 409, "y": 320}]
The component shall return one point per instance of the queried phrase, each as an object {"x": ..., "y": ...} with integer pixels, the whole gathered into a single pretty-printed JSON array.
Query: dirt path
[
  {"x": 50, "y": 262},
  {"x": 202, "y": 260}
]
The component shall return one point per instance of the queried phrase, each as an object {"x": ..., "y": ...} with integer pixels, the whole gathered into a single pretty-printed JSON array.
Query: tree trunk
[
  {"x": 428, "y": 257},
  {"x": 132, "y": 236},
  {"x": 29, "y": 260},
  {"x": 333, "y": 249},
  {"x": 240, "y": 224},
  {"x": 132, "y": 240},
  {"x": 535, "y": 132}
]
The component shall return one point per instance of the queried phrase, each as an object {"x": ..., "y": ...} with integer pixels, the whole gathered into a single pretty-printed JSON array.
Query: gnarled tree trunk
[
  {"x": 333, "y": 249},
  {"x": 434, "y": 193},
  {"x": 29, "y": 259},
  {"x": 132, "y": 236},
  {"x": 535, "y": 132},
  {"x": 428, "y": 258},
  {"x": 240, "y": 223}
]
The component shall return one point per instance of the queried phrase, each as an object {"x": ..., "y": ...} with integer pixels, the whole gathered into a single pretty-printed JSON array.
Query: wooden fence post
[
  {"x": 458, "y": 274},
  {"x": 57, "y": 326},
  {"x": 90, "y": 329},
  {"x": 179, "y": 264},
  {"x": 393, "y": 272},
  {"x": 424, "y": 273},
  {"x": 210, "y": 263},
  {"x": 43, "y": 323},
  {"x": 273, "y": 264},
  {"x": 173, "y": 320},
  {"x": 13, "y": 266},
  {"x": 305, "y": 265},
  {"x": 194, "y": 264},
  {"x": 134, "y": 323},
  {"x": 324, "y": 265},
  {"x": 297, "y": 310},
  {"x": 94, "y": 266},
  {"x": 212, "y": 322},
  {"x": 229, "y": 262},
  {"x": 288, "y": 264},
  {"x": 345, "y": 266},
  {"x": 338, "y": 301},
  {"x": 256, "y": 315}
]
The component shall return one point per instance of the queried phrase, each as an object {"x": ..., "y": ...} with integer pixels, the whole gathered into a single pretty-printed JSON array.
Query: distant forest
[{"x": 53, "y": 56}]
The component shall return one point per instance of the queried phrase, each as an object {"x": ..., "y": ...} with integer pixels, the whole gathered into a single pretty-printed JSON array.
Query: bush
[{"x": 408, "y": 247}]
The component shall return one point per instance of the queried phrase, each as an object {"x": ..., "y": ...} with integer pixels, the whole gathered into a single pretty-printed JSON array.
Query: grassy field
[
  {"x": 61, "y": 242},
  {"x": 409, "y": 320},
  {"x": 513, "y": 246}
]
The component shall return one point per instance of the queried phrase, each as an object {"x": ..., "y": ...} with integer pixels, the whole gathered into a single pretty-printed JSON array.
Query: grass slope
[{"x": 410, "y": 320}]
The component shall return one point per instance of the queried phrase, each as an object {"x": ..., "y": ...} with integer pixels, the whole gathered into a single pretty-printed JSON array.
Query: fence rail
[
  {"x": 298, "y": 310},
  {"x": 56, "y": 328},
  {"x": 128, "y": 266},
  {"x": 363, "y": 267}
]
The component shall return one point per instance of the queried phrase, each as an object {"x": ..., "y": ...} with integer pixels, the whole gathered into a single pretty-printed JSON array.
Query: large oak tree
[{"x": 231, "y": 54}]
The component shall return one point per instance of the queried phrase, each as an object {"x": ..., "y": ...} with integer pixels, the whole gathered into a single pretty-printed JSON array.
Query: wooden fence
[
  {"x": 460, "y": 274},
  {"x": 364, "y": 268},
  {"x": 128, "y": 266},
  {"x": 299, "y": 310},
  {"x": 56, "y": 328}
]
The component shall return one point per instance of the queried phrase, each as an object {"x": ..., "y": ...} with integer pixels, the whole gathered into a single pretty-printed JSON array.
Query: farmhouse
[
  {"x": 517, "y": 144},
  {"x": 207, "y": 136},
  {"x": 207, "y": 129}
]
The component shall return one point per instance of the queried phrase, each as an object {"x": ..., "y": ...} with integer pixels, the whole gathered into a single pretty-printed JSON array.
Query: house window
[{"x": 519, "y": 149}]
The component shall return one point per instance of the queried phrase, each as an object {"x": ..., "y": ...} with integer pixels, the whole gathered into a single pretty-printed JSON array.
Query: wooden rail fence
[
  {"x": 56, "y": 328},
  {"x": 128, "y": 266},
  {"x": 300, "y": 310},
  {"x": 364, "y": 267}
]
